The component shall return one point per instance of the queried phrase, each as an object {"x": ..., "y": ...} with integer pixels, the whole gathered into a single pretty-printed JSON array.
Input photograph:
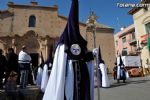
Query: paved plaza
[{"x": 137, "y": 88}]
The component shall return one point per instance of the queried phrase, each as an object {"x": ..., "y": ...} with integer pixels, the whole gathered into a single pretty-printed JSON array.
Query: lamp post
[
  {"x": 92, "y": 27},
  {"x": 139, "y": 49}
]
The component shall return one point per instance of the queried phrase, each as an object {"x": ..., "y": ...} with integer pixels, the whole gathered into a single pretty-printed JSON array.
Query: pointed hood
[
  {"x": 116, "y": 61},
  {"x": 42, "y": 61},
  {"x": 100, "y": 57},
  {"x": 71, "y": 35},
  {"x": 120, "y": 61}
]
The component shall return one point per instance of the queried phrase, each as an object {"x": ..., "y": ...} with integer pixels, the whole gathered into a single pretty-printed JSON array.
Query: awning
[{"x": 144, "y": 38}]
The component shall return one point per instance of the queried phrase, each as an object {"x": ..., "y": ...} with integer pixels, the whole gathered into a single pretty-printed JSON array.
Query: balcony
[
  {"x": 133, "y": 42},
  {"x": 132, "y": 53}
]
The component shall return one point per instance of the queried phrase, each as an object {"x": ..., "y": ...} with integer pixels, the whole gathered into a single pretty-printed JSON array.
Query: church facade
[{"x": 39, "y": 28}]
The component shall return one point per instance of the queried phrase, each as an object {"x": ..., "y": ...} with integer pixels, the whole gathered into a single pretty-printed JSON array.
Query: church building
[{"x": 39, "y": 27}]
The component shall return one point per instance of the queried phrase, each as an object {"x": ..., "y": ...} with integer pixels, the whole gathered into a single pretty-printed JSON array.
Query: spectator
[
  {"x": 3, "y": 63},
  {"x": 115, "y": 71},
  {"x": 147, "y": 67},
  {"x": 24, "y": 64},
  {"x": 11, "y": 86},
  {"x": 12, "y": 62}
]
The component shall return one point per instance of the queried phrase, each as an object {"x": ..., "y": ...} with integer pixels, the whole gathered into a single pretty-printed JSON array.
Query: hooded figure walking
[
  {"x": 121, "y": 71},
  {"x": 70, "y": 78},
  {"x": 46, "y": 72},
  {"x": 102, "y": 70}
]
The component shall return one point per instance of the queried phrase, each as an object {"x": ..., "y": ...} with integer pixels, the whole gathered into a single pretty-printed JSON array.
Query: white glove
[
  {"x": 95, "y": 51},
  {"x": 50, "y": 65}
]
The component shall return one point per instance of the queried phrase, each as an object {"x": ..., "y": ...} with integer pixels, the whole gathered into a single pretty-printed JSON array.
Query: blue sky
[{"x": 107, "y": 10}]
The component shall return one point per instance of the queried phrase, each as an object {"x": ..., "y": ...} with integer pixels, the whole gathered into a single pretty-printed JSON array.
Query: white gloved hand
[
  {"x": 95, "y": 51},
  {"x": 50, "y": 65}
]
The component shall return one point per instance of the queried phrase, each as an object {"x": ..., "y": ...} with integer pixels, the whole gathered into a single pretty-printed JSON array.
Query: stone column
[
  {"x": 42, "y": 48},
  {"x": 46, "y": 48}
]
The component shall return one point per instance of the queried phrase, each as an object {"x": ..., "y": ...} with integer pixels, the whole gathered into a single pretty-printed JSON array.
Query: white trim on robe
[
  {"x": 56, "y": 82},
  {"x": 118, "y": 72},
  {"x": 44, "y": 78},
  {"x": 69, "y": 85},
  {"x": 39, "y": 77},
  {"x": 90, "y": 66},
  {"x": 105, "y": 80}
]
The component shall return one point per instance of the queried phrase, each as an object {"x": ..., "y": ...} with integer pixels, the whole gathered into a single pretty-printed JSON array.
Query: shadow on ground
[{"x": 113, "y": 85}]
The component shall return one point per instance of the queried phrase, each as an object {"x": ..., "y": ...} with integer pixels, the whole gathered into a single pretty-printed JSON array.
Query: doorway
[
  {"x": 34, "y": 61},
  {"x": 34, "y": 67}
]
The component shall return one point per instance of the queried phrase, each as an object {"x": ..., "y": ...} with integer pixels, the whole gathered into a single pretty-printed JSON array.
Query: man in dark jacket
[
  {"x": 12, "y": 62},
  {"x": 115, "y": 71},
  {"x": 3, "y": 63}
]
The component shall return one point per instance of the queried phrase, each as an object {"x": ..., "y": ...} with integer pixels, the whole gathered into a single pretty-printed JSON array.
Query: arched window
[{"x": 32, "y": 21}]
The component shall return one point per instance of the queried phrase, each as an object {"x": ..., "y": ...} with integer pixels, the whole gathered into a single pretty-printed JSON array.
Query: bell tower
[
  {"x": 34, "y": 3},
  {"x": 91, "y": 30}
]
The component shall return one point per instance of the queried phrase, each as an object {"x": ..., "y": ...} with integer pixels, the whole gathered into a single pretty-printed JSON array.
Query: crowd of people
[
  {"x": 8, "y": 63},
  {"x": 19, "y": 64},
  {"x": 15, "y": 70}
]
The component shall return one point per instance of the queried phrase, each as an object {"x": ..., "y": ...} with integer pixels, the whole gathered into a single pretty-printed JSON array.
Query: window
[
  {"x": 147, "y": 28},
  {"x": 32, "y": 21},
  {"x": 124, "y": 40},
  {"x": 124, "y": 52}
]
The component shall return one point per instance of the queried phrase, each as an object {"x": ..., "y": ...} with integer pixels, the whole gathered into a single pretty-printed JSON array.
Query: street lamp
[
  {"x": 91, "y": 26},
  {"x": 139, "y": 50}
]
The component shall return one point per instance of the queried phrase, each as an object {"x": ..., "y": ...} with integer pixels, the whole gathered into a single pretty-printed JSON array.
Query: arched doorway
[{"x": 30, "y": 40}]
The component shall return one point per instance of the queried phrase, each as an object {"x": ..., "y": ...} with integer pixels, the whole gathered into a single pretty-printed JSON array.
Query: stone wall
[{"x": 104, "y": 39}]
